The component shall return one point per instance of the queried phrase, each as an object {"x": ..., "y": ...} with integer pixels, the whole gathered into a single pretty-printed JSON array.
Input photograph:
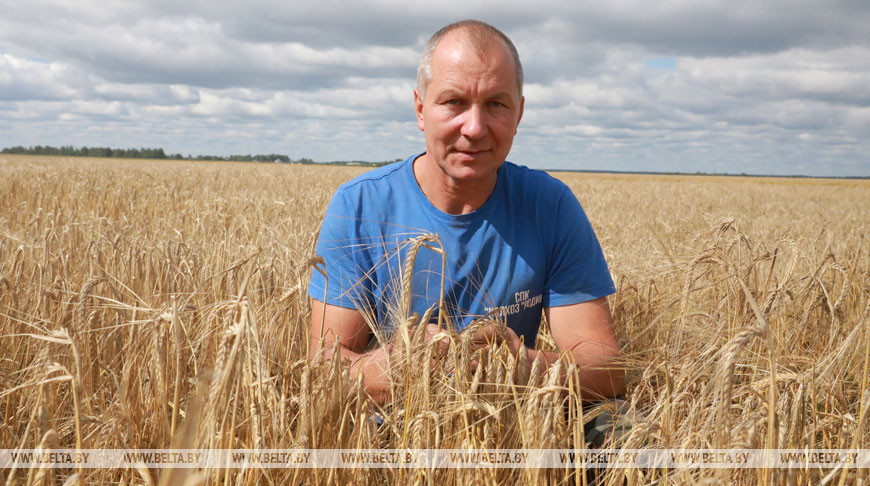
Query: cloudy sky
[{"x": 774, "y": 86}]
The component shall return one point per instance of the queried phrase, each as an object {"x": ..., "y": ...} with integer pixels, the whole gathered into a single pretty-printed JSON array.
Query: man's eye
[
  {"x": 497, "y": 104},
  {"x": 452, "y": 102}
]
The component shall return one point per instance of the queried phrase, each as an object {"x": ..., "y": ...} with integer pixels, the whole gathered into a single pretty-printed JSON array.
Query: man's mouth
[{"x": 471, "y": 152}]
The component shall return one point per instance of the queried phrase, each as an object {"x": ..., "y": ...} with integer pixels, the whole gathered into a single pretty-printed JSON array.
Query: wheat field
[{"x": 152, "y": 304}]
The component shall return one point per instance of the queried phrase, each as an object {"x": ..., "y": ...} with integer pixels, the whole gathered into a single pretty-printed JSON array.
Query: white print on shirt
[{"x": 522, "y": 301}]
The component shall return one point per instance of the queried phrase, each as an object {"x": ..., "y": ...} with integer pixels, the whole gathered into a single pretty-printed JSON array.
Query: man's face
[{"x": 471, "y": 110}]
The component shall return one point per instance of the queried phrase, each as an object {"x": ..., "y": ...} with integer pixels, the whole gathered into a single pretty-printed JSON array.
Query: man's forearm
[
  {"x": 584, "y": 332},
  {"x": 599, "y": 374},
  {"x": 371, "y": 364}
]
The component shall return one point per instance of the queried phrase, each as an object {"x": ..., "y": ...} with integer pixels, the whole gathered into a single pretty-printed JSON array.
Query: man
[{"x": 514, "y": 239}]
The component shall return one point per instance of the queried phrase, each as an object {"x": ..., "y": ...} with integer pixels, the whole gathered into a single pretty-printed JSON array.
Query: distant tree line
[
  {"x": 158, "y": 153},
  {"x": 69, "y": 150}
]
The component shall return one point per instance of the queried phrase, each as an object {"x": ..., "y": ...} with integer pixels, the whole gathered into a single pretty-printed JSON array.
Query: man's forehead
[
  {"x": 446, "y": 89},
  {"x": 462, "y": 53}
]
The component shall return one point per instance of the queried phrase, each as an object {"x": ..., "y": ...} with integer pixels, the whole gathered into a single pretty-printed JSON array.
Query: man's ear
[
  {"x": 520, "y": 117},
  {"x": 418, "y": 109}
]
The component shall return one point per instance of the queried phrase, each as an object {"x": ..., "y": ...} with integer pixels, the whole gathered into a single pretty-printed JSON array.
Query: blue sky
[{"x": 775, "y": 87}]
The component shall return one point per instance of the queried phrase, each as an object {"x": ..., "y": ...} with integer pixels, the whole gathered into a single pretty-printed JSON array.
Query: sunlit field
[{"x": 164, "y": 304}]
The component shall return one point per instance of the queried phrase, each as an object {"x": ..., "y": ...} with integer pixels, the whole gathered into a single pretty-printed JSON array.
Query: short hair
[{"x": 480, "y": 34}]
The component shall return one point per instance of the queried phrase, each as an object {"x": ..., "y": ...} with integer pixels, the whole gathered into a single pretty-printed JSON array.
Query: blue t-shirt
[{"x": 529, "y": 246}]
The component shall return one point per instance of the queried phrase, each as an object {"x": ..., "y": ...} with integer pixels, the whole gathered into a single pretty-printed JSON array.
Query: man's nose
[{"x": 475, "y": 122}]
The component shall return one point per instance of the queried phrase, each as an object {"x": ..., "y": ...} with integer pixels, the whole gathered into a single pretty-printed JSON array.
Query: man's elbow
[
  {"x": 616, "y": 365},
  {"x": 617, "y": 382},
  {"x": 611, "y": 375}
]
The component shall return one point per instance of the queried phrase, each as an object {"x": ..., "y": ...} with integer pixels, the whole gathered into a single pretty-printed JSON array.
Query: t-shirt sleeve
[
  {"x": 343, "y": 284},
  {"x": 578, "y": 271}
]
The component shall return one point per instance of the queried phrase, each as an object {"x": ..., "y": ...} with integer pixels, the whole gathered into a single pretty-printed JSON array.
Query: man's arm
[
  {"x": 331, "y": 322},
  {"x": 583, "y": 332}
]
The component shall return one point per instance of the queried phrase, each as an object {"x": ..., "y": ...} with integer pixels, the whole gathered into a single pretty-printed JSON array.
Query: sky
[{"x": 757, "y": 87}]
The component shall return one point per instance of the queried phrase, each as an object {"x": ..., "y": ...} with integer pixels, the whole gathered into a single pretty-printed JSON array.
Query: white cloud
[{"x": 23, "y": 79}]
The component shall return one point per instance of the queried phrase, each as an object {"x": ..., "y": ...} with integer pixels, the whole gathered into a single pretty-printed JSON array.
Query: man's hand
[
  {"x": 493, "y": 333},
  {"x": 583, "y": 334},
  {"x": 487, "y": 335},
  {"x": 431, "y": 335}
]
